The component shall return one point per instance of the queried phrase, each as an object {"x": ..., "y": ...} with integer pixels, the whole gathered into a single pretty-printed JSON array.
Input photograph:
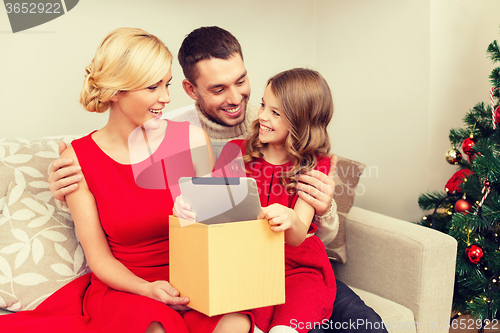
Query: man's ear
[{"x": 190, "y": 89}]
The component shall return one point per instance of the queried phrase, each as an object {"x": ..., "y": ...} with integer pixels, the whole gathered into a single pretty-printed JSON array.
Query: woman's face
[
  {"x": 144, "y": 105},
  {"x": 272, "y": 129}
]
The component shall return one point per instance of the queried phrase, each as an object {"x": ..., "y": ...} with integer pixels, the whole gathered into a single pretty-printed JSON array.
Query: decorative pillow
[
  {"x": 39, "y": 250},
  {"x": 346, "y": 179},
  {"x": 27, "y": 163}
]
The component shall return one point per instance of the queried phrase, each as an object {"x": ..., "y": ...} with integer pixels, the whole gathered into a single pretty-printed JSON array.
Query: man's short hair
[{"x": 206, "y": 43}]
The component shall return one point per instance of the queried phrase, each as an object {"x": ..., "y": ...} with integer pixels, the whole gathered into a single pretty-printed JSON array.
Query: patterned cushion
[
  {"x": 346, "y": 180},
  {"x": 26, "y": 162},
  {"x": 39, "y": 251}
]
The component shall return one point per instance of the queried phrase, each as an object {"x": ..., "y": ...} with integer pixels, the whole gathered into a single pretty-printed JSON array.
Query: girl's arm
[
  {"x": 294, "y": 222},
  {"x": 95, "y": 245}
]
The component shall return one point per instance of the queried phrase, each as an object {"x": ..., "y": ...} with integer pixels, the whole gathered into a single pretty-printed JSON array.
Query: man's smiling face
[{"x": 222, "y": 90}]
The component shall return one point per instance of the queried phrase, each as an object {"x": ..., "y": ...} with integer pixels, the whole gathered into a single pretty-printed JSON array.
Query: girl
[
  {"x": 121, "y": 224},
  {"x": 290, "y": 136}
]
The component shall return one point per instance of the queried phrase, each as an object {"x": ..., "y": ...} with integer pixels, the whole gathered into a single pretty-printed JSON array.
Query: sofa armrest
[{"x": 401, "y": 261}]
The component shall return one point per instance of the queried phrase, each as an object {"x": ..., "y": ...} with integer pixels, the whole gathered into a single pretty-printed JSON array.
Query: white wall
[
  {"x": 402, "y": 73},
  {"x": 42, "y": 68}
]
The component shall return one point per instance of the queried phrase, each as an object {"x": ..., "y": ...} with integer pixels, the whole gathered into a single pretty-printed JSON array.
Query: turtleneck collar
[{"x": 225, "y": 133}]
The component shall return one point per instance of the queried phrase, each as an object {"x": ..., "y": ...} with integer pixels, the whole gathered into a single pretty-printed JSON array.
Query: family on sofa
[{"x": 121, "y": 227}]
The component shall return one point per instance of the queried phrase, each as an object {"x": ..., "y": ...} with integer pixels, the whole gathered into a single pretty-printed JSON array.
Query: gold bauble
[{"x": 453, "y": 156}]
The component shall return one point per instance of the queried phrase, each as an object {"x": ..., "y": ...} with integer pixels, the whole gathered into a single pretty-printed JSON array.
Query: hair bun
[{"x": 91, "y": 95}]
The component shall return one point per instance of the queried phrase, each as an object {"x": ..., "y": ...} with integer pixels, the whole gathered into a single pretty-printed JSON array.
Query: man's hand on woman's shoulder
[{"x": 63, "y": 177}]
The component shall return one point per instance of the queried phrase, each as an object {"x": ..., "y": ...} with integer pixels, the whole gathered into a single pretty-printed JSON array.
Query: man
[{"x": 216, "y": 78}]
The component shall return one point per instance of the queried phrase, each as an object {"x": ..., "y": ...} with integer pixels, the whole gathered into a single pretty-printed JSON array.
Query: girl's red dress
[
  {"x": 135, "y": 221},
  {"x": 310, "y": 286}
]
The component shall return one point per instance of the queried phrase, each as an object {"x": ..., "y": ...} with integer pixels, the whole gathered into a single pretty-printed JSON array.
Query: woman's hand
[
  {"x": 183, "y": 210},
  {"x": 280, "y": 218},
  {"x": 164, "y": 292}
]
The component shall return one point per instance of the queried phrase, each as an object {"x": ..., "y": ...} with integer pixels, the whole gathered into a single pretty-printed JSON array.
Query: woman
[{"x": 121, "y": 224}]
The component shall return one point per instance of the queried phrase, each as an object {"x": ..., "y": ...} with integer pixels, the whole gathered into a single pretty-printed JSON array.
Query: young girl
[
  {"x": 290, "y": 136},
  {"x": 122, "y": 226}
]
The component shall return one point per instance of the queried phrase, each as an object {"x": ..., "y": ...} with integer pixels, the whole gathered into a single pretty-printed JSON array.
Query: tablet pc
[{"x": 221, "y": 200}]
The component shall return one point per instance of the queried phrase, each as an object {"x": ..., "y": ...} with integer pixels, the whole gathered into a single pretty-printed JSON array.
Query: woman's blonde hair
[
  {"x": 306, "y": 107},
  {"x": 127, "y": 59}
]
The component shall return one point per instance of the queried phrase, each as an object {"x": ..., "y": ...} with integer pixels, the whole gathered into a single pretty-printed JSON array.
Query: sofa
[{"x": 404, "y": 271}]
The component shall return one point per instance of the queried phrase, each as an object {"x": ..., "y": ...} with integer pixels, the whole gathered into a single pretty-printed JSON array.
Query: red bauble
[
  {"x": 474, "y": 253},
  {"x": 453, "y": 185},
  {"x": 463, "y": 206},
  {"x": 497, "y": 115},
  {"x": 467, "y": 147}
]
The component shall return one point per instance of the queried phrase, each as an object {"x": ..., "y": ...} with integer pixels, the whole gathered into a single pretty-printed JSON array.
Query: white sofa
[{"x": 402, "y": 270}]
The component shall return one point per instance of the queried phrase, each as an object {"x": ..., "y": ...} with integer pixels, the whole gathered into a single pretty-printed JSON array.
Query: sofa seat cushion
[{"x": 396, "y": 317}]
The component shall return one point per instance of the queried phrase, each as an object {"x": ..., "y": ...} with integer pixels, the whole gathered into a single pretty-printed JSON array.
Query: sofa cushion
[
  {"x": 39, "y": 250},
  {"x": 27, "y": 163},
  {"x": 346, "y": 179}
]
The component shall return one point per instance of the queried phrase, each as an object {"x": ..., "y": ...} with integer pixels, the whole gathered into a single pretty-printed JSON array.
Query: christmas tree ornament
[
  {"x": 454, "y": 183},
  {"x": 467, "y": 148},
  {"x": 495, "y": 117},
  {"x": 474, "y": 254},
  {"x": 463, "y": 206},
  {"x": 485, "y": 191},
  {"x": 453, "y": 156}
]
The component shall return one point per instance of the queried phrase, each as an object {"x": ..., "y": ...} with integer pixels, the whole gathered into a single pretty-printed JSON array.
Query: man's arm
[
  {"x": 317, "y": 189},
  {"x": 63, "y": 177}
]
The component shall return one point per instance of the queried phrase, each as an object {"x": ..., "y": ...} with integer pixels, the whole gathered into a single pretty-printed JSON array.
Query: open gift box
[{"x": 227, "y": 267}]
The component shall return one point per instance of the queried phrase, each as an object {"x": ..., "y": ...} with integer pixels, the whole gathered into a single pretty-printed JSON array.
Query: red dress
[
  {"x": 135, "y": 221},
  {"x": 310, "y": 286}
]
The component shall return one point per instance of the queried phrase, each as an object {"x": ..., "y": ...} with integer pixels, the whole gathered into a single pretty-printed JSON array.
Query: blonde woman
[{"x": 122, "y": 225}]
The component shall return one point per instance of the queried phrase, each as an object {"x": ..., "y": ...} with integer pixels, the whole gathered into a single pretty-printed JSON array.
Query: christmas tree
[{"x": 469, "y": 208}]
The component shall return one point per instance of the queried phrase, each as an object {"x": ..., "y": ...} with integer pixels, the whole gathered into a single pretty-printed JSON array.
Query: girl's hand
[
  {"x": 280, "y": 218},
  {"x": 183, "y": 210},
  {"x": 164, "y": 292}
]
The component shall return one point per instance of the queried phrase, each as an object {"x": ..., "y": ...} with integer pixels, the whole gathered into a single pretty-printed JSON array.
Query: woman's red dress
[{"x": 135, "y": 221}]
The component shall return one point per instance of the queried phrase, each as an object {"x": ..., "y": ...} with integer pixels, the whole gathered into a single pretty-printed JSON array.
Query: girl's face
[
  {"x": 272, "y": 128},
  {"x": 146, "y": 104}
]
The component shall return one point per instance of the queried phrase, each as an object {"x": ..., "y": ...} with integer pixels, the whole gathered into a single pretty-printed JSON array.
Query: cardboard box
[{"x": 227, "y": 267}]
